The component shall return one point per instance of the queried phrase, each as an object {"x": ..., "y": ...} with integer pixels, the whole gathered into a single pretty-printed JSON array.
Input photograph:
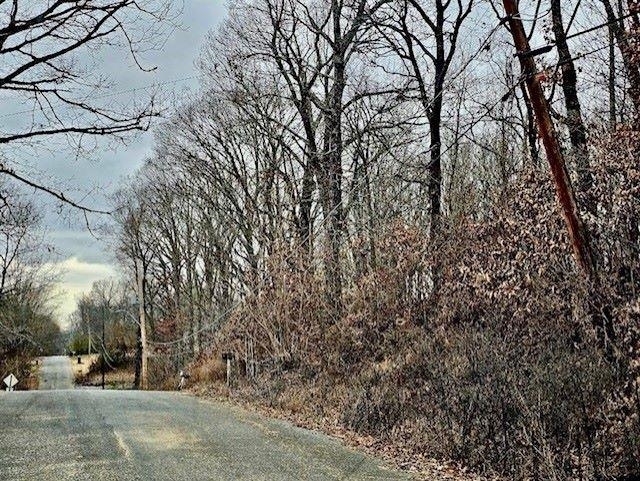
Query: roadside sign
[{"x": 10, "y": 381}]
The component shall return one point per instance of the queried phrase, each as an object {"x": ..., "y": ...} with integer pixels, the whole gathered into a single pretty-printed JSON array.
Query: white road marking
[{"x": 122, "y": 445}]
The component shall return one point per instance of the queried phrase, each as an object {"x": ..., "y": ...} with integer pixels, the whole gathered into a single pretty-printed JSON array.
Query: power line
[
  {"x": 487, "y": 111},
  {"x": 597, "y": 27},
  {"x": 557, "y": 65},
  {"x": 238, "y": 303},
  {"x": 547, "y": 48},
  {"x": 115, "y": 94}
]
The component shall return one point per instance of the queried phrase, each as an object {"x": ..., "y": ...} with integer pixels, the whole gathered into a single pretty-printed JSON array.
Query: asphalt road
[
  {"x": 82, "y": 434},
  {"x": 55, "y": 373}
]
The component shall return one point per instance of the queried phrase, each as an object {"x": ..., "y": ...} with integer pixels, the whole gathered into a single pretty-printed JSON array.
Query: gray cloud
[{"x": 95, "y": 178}]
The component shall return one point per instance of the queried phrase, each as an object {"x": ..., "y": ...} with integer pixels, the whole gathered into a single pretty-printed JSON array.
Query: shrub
[
  {"x": 503, "y": 366},
  {"x": 208, "y": 370}
]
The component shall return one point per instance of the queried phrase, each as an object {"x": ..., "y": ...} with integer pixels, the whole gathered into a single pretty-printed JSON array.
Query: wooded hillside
[{"x": 417, "y": 220}]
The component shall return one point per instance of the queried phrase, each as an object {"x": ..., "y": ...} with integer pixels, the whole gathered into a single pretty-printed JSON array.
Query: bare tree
[
  {"x": 27, "y": 325},
  {"x": 44, "y": 47},
  {"x": 429, "y": 33},
  {"x": 626, "y": 46},
  {"x": 18, "y": 239},
  {"x": 575, "y": 123}
]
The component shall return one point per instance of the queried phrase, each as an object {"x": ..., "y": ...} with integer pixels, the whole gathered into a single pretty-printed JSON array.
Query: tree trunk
[
  {"x": 613, "y": 115},
  {"x": 631, "y": 66},
  {"x": 531, "y": 131},
  {"x": 331, "y": 165},
  {"x": 577, "y": 130},
  {"x": 435, "y": 124},
  {"x": 306, "y": 203},
  {"x": 138, "y": 360},
  {"x": 144, "y": 380},
  {"x": 435, "y": 168}
]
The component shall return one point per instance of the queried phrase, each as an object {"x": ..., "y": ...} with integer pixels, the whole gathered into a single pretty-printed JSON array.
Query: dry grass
[
  {"x": 114, "y": 379},
  {"x": 31, "y": 383},
  {"x": 88, "y": 374},
  {"x": 82, "y": 369},
  {"x": 208, "y": 370}
]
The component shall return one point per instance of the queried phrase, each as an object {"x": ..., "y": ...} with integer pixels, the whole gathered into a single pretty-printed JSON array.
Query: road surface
[
  {"x": 108, "y": 435},
  {"x": 55, "y": 373}
]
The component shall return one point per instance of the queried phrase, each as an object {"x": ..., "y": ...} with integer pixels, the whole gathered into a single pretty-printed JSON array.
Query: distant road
[
  {"x": 55, "y": 373},
  {"x": 132, "y": 435}
]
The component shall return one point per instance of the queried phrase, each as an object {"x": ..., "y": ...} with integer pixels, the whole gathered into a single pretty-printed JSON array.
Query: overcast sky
[{"x": 83, "y": 258}]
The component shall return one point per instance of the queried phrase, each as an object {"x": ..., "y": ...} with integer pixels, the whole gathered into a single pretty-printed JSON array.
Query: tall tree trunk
[
  {"x": 531, "y": 129},
  {"x": 577, "y": 130},
  {"x": 435, "y": 124},
  {"x": 613, "y": 114},
  {"x": 331, "y": 164},
  {"x": 370, "y": 214},
  {"x": 138, "y": 360},
  {"x": 306, "y": 203},
  {"x": 629, "y": 57},
  {"x": 435, "y": 127},
  {"x": 435, "y": 167},
  {"x": 630, "y": 274}
]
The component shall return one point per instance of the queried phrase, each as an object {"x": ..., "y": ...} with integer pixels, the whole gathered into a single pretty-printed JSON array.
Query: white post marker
[
  {"x": 183, "y": 380},
  {"x": 10, "y": 381},
  {"x": 228, "y": 357}
]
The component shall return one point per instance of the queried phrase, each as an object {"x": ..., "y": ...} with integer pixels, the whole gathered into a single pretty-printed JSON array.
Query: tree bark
[
  {"x": 144, "y": 379},
  {"x": 331, "y": 163},
  {"x": 305, "y": 205},
  {"x": 435, "y": 154},
  {"x": 631, "y": 64},
  {"x": 577, "y": 130},
  {"x": 532, "y": 134},
  {"x": 613, "y": 114},
  {"x": 564, "y": 190}
]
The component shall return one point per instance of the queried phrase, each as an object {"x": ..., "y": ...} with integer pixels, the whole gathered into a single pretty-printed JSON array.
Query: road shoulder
[{"x": 423, "y": 469}]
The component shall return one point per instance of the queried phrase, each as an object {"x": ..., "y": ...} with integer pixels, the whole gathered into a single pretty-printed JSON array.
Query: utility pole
[
  {"x": 143, "y": 326},
  {"x": 546, "y": 129},
  {"x": 104, "y": 350}
]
